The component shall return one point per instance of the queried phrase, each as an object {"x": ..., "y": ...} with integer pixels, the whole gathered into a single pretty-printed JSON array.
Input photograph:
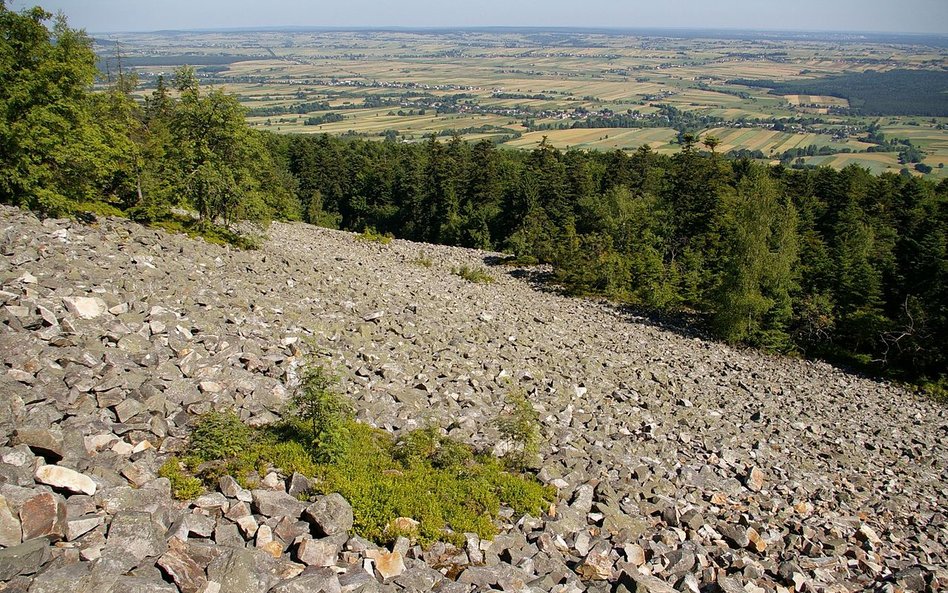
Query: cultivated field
[{"x": 517, "y": 86}]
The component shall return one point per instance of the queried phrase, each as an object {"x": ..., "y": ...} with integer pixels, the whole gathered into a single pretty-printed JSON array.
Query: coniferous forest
[{"x": 837, "y": 264}]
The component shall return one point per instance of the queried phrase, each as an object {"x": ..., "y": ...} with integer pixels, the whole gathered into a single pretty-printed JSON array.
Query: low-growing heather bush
[{"x": 446, "y": 486}]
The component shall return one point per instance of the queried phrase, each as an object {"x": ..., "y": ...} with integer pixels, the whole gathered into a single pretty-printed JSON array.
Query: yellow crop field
[
  {"x": 875, "y": 162},
  {"x": 597, "y": 138},
  {"x": 819, "y": 100}
]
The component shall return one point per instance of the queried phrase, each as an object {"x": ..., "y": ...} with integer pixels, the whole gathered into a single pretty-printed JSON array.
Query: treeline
[
  {"x": 64, "y": 148},
  {"x": 832, "y": 263},
  {"x": 297, "y": 108},
  {"x": 896, "y": 92},
  {"x": 841, "y": 264},
  {"x": 667, "y": 116},
  {"x": 328, "y": 118}
]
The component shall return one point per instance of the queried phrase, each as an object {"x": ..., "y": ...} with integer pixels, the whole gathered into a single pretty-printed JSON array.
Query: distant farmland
[{"x": 579, "y": 89}]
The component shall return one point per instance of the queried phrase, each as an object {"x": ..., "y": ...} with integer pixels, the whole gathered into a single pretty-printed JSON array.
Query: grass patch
[
  {"x": 211, "y": 233},
  {"x": 423, "y": 261},
  {"x": 937, "y": 390},
  {"x": 444, "y": 485},
  {"x": 370, "y": 235},
  {"x": 183, "y": 485},
  {"x": 96, "y": 208},
  {"x": 472, "y": 274}
]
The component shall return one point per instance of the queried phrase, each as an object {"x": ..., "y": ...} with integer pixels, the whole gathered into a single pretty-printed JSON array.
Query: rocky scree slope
[{"x": 681, "y": 464}]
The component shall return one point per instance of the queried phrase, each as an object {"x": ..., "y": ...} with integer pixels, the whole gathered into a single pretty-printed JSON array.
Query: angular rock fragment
[
  {"x": 317, "y": 552},
  {"x": 11, "y": 532},
  {"x": 389, "y": 564},
  {"x": 43, "y": 515},
  {"x": 66, "y": 479},
  {"x": 754, "y": 480},
  {"x": 85, "y": 307},
  {"x": 330, "y": 515},
  {"x": 324, "y": 581},
  {"x": 270, "y": 503},
  {"x": 181, "y": 568},
  {"x": 244, "y": 570},
  {"x": 25, "y": 558}
]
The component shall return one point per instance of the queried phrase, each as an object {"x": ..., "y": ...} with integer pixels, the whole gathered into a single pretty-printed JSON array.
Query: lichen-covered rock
[{"x": 244, "y": 571}]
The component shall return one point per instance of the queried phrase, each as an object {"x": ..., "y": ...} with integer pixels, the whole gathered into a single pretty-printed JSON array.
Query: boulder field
[{"x": 682, "y": 464}]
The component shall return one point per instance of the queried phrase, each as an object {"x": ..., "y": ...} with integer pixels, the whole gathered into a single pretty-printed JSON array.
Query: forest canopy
[{"x": 896, "y": 92}]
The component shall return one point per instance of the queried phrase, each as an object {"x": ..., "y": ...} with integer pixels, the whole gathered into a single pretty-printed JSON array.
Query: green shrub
[
  {"x": 219, "y": 435},
  {"x": 471, "y": 274},
  {"x": 937, "y": 390},
  {"x": 183, "y": 486},
  {"x": 211, "y": 233},
  {"x": 318, "y": 404},
  {"x": 423, "y": 261},
  {"x": 443, "y": 484},
  {"x": 427, "y": 445},
  {"x": 440, "y": 483},
  {"x": 372, "y": 236},
  {"x": 99, "y": 208},
  {"x": 520, "y": 424}
]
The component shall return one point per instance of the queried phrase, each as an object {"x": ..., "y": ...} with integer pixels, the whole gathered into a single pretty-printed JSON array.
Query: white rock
[
  {"x": 390, "y": 564},
  {"x": 63, "y": 477},
  {"x": 142, "y": 446},
  {"x": 123, "y": 448},
  {"x": 85, "y": 307},
  {"x": 97, "y": 442}
]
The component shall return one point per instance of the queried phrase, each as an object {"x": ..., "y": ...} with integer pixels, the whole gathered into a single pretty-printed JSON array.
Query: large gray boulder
[{"x": 330, "y": 515}]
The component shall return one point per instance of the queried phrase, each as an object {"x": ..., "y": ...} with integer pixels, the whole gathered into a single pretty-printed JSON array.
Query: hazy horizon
[{"x": 865, "y": 16}]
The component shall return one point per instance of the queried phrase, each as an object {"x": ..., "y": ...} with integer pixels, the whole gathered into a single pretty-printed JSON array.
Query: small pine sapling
[
  {"x": 520, "y": 424},
  {"x": 318, "y": 404}
]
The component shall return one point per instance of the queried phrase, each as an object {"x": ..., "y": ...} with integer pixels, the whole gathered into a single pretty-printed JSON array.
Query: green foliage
[
  {"x": 423, "y": 261},
  {"x": 183, "y": 486},
  {"x": 67, "y": 149},
  {"x": 55, "y": 151},
  {"x": 472, "y": 274},
  {"x": 98, "y": 209},
  {"x": 758, "y": 257},
  {"x": 893, "y": 92},
  {"x": 520, "y": 424},
  {"x": 211, "y": 233},
  {"x": 428, "y": 445},
  {"x": 441, "y": 483},
  {"x": 370, "y": 235},
  {"x": 438, "y": 482},
  {"x": 219, "y": 435},
  {"x": 318, "y": 403}
]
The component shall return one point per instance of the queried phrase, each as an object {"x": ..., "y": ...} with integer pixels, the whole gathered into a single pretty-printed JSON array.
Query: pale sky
[{"x": 907, "y": 16}]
